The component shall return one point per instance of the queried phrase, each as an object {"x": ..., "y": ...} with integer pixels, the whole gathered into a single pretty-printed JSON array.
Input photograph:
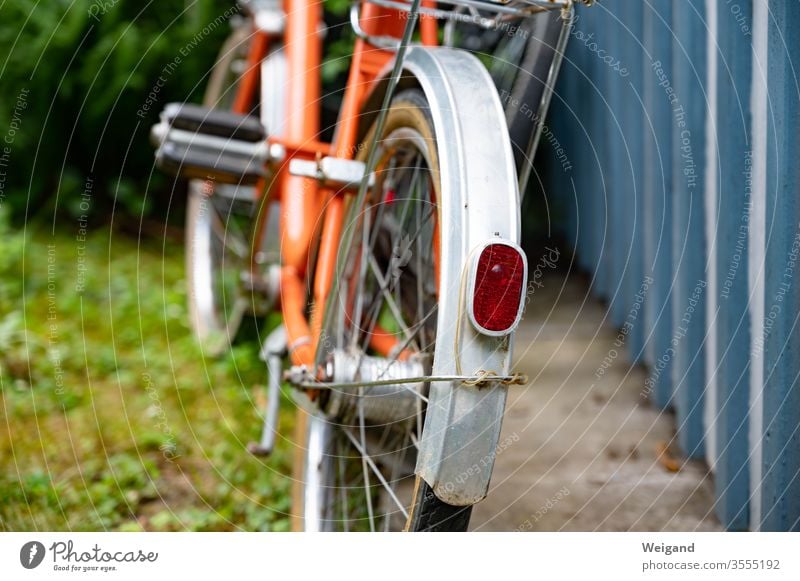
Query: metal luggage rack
[
  {"x": 484, "y": 13},
  {"x": 502, "y": 9}
]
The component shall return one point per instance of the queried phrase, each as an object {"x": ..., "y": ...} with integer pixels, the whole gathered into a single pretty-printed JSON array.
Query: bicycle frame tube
[
  {"x": 302, "y": 200},
  {"x": 300, "y": 203},
  {"x": 246, "y": 90},
  {"x": 367, "y": 62}
]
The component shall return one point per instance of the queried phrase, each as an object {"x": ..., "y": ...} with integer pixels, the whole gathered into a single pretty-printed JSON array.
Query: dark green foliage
[{"x": 74, "y": 74}]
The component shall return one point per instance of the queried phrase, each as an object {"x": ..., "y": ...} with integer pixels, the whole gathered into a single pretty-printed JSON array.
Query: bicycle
[{"x": 391, "y": 252}]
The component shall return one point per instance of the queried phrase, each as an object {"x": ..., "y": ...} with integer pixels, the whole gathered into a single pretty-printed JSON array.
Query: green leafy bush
[{"x": 74, "y": 76}]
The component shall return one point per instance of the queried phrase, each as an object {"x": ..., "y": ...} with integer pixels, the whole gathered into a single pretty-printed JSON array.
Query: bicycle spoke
[
  {"x": 411, "y": 197},
  {"x": 375, "y": 306},
  {"x": 359, "y": 291},
  {"x": 414, "y": 439},
  {"x": 343, "y": 489},
  {"x": 393, "y": 477},
  {"x": 374, "y": 309},
  {"x": 420, "y": 284},
  {"x": 390, "y": 300},
  {"x": 387, "y": 185},
  {"x": 371, "y": 463},
  {"x": 363, "y": 435},
  {"x": 230, "y": 236}
]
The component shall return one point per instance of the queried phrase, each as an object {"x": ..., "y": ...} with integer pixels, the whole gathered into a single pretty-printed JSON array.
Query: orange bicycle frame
[{"x": 308, "y": 211}]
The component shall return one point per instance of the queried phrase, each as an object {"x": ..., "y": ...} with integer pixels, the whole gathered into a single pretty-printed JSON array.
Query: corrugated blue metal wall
[{"x": 681, "y": 121}]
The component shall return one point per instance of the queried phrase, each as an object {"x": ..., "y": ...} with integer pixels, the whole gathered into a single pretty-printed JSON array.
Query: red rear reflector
[{"x": 496, "y": 300}]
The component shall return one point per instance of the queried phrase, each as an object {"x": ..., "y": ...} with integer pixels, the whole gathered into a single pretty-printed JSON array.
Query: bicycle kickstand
[{"x": 273, "y": 351}]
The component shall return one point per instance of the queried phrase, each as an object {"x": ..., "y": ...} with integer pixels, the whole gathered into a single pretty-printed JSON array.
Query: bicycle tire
[{"x": 215, "y": 320}]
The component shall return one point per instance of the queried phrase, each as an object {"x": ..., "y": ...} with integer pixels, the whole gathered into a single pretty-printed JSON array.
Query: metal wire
[{"x": 480, "y": 378}]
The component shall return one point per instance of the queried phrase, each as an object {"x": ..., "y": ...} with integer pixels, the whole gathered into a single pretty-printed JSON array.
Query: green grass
[{"x": 111, "y": 419}]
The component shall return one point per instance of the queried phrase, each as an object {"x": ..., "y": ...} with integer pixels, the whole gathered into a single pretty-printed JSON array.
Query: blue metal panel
[
  {"x": 560, "y": 120},
  {"x": 650, "y": 169},
  {"x": 734, "y": 73},
  {"x": 590, "y": 161},
  {"x": 657, "y": 187},
  {"x": 781, "y": 443},
  {"x": 579, "y": 144},
  {"x": 620, "y": 170},
  {"x": 586, "y": 32},
  {"x": 632, "y": 117},
  {"x": 567, "y": 112},
  {"x": 595, "y": 31},
  {"x": 689, "y": 244},
  {"x": 617, "y": 168},
  {"x": 642, "y": 208}
]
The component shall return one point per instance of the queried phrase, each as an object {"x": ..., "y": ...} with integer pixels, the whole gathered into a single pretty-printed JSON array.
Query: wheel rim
[
  {"x": 218, "y": 256},
  {"x": 364, "y": 470},
  {"x": 217, "y": 248}
]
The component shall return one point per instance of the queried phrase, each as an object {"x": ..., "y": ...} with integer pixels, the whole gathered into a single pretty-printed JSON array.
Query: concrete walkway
[{"x": 585, "y": 451}]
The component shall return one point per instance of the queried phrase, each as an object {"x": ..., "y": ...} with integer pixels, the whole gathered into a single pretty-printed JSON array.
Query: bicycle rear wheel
[{"x": 359, "y": 450}]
